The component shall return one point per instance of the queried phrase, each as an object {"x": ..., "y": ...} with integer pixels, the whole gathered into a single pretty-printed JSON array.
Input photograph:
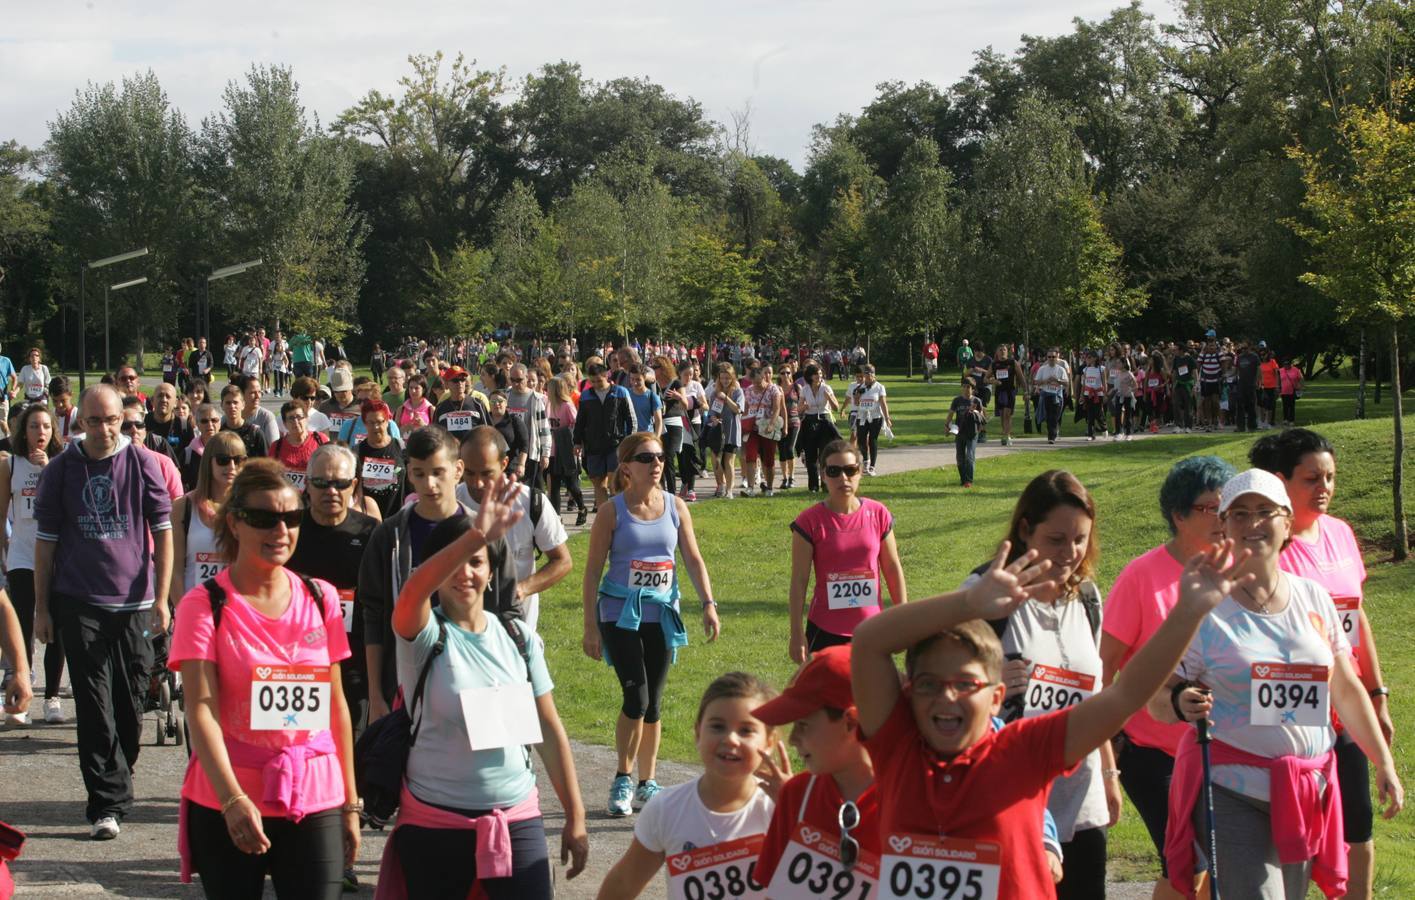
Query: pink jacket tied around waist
[
  {"x": 493, "y": 839},
  {"x": 282, "y": 775},
  {"x": 1306, "y": 822}
]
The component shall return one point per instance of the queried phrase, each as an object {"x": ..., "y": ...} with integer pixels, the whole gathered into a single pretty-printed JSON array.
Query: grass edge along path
[{"x": 943, "y": 531}]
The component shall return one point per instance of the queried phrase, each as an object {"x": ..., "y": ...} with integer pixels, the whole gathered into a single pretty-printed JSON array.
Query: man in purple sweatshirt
[{"x": 103, "y": 561}]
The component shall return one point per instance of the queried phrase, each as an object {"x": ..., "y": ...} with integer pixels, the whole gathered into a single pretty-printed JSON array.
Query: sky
[{"x": 793, "y": 63}]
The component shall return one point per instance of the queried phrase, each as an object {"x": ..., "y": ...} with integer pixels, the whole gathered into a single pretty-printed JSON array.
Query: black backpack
[{"x": 216, "y": 594}]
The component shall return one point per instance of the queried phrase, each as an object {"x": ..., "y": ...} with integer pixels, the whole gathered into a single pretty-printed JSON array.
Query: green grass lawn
[{"x": 943, "y": 532}]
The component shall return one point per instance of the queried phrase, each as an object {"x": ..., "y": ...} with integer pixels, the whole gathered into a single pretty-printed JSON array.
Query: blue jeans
[
  {"x": 1051, "y": 414},
  {"x": 967, "y": 453}
]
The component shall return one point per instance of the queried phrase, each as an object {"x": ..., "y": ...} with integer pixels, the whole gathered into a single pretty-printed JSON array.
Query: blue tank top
[{"x": 641, "y": 557}]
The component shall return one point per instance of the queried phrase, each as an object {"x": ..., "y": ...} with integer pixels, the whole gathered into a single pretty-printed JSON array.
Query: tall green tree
[
  {"x": 281, "y": 190},
  {"x": 1364, "y": 239},
  {"x": 525, "y": 272},
  {"x": 716, "y": 293},
  {"x": 26, "y": 253}
]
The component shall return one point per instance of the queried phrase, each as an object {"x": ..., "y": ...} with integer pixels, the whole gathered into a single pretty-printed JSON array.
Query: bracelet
[
  {"x": 1381, "y": 691},
  {"x": 1108, "y": 774},
  {"x": 232, "y": 801},
  {"x": 354, "y": 806},
  {"x": 1174, "y": 693},
  {"x": 707, "y": 603}
]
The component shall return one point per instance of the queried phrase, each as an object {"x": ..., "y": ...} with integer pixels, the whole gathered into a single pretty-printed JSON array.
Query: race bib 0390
[
  {"x": 651, "y": 575},
  {"x": 1289, "y": 694},
  {"x": 290, "y": 698},
  {"x": 720, "y": 872},
  {"x": 1052, "y": 688},
  {"x": 810, "y": 869},
  {"x": 852, "y": 590},
  {"x": 921, "y": 867}
]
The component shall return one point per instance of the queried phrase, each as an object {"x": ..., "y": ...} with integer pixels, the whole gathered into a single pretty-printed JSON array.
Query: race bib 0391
[{"x": 810, "y": 869}]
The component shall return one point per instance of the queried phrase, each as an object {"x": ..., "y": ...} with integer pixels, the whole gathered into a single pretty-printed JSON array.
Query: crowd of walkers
[{"x": 347, "y": 598}]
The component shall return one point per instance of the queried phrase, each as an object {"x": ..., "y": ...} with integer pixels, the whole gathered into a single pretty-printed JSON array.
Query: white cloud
[{"x": 798, "y": 62}]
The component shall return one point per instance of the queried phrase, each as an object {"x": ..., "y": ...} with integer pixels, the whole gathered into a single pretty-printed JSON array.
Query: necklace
[{"x": 1262, "y": 604}]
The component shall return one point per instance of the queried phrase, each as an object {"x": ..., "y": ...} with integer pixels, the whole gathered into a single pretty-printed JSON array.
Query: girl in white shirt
[{"x": 726, "y": 805}]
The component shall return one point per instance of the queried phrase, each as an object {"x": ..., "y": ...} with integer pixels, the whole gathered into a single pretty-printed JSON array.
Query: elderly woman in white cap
[{"x": 1265, "y": 668}]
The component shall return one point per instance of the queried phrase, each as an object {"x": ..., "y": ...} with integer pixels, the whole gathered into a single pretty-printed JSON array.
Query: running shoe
[
  {"x": 351, "y": 882},
  {"x": 581, "y": 516},
  {"x": 621, "y": 797},
  {"x": 19, "y": 720},
  {"x": 748, "y": 492},
  {"x": 54, "y": 711},
  {"x": 690, "y": 497},
  {"x": 645, "y": 791},
  {"x": 768, "y": 493},
  {"x": 105, "y": 829}
]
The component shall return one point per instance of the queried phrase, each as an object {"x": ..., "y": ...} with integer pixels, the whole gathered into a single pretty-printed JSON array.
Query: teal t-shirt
[
  {"x": 301, "y": 349},
  {"x": 442, "y": 767}
]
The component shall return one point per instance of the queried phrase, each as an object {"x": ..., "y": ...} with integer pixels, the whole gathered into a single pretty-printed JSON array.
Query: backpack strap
[
  {"x": 1090, "y": 596},
  {"x": 413, "y": 704},
  {"x": 519, "y": 636},
  {"x": 216, "y": 595}
]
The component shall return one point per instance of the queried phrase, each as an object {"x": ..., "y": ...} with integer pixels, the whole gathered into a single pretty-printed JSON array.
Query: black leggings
[
  {"x": 442, "y": 863},
  {"x": 571, "y": 483},
  {"x": 1145, "y": 773},
  {"x": 1083, "y": 866},
  {"x": 305, "y": 860},
  {"x": 817, "y": 638},
  {"x": 22, "y": 594},
  {"x": 869, "y": 439},
  {"x": 641, "y": 663}
]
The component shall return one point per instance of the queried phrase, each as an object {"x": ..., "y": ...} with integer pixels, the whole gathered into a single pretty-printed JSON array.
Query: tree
[
  {"x": 281, "y": 191},
  {"x": 1364, "y": 238},
  {"x": 119, "y": 166},
  {"x": 457, "y": 299},
  {"x": 715, "y": 289},
  {"x": 525, "y": 272},
  {"x": 26, "y": 253}
]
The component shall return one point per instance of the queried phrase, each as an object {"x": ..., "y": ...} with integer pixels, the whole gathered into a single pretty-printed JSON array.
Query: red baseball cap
[
  {"x": 452, "y": 373},
  {"x": 823, "y": 681}
]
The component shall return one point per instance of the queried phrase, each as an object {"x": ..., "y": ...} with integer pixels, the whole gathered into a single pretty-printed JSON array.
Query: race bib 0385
[{"x": 290, "y": 698}]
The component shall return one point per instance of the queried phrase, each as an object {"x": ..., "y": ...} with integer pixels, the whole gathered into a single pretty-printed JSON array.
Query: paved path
[{"x": 42, "y": 794}]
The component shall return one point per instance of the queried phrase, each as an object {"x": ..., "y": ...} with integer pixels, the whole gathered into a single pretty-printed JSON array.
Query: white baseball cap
[{"x": 1254, "y": 481}]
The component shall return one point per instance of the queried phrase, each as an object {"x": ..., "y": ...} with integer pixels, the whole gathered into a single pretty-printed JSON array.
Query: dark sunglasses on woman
[
  {"x": 837, "y": 471},
  {"x": 266, "y": 519},
  {"x": 648, "y": 458}
]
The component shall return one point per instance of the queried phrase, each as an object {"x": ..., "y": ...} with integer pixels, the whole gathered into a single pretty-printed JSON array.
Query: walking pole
[{"x": 1212, "y": 842}]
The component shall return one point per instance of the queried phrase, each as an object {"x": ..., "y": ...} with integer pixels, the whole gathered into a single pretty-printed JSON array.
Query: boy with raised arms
[{"x": 959, "y": 803}]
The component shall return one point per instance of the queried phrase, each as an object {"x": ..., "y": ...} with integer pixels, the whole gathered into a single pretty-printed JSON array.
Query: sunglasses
[
  {"x": 129, "y": 427},
  {"x": 648, "y": 458},
  {"x": 266, "y": 519},
  {"x": 849, "y": 820},
  {"x": 837, "y": 471},
  {"x": 224, "y": 460},
  {"x": 324, "y": 484},
  {"x": 211, "y": 421}
]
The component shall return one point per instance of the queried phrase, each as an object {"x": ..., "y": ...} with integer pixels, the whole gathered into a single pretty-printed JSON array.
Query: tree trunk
[
  {"x": 137, "y": 367},
  {"x": 1026, "y": 364},
  {"x": 1397, "y": 485},
  {"x": 909, "y": 354},
  {"x": 1361, "y": 376},
  {"x": 1376, "y": 367}
]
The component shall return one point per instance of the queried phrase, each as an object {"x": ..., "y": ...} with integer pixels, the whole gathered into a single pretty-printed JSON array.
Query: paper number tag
[
  {"x": 810, "y": 869},
  {"x": 379, "y": 473},
  {"x": 1052, "y": 688},
  {"x": 720, "y": 872},
  {"x": 27, "y": 496},
  {"x": 346, "y": 608},
  {"x": 852, "y": 590},
  {"x": 290, "y": 698},
  {"x": 459, "y": 421},
  {"x": 501, "y": 716},
  {"x": 209, "y": 565},
  {"x": 919, "y": 866},
  {"x": 673, "y": 422},
  {"x": 1350, "y": 609},
  {"x": 1289, "y": 694},
  {"x": 650, "y": 575},
  {"x": 297, "y": 479}
]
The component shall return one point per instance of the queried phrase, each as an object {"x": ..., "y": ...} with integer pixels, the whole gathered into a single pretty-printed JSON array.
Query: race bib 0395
[{"x": 922, "y": 867}]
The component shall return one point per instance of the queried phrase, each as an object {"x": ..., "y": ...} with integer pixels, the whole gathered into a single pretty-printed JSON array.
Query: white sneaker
[
  {"x": 768, "y": 493},
  {"x": 54, "y": 711},
  {"x": 19, "y": 720},
  {"x": 105, "y": 829}
]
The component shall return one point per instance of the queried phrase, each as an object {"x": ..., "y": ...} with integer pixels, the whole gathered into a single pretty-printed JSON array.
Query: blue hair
[{"x": 1187, "y": 481}]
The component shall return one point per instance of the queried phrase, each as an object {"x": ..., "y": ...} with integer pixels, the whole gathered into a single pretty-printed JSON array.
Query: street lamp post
[
  {"x": 219, "y": 274},
  {"x": 83, "y": 272},
  {"x": 107, "y": 362}
]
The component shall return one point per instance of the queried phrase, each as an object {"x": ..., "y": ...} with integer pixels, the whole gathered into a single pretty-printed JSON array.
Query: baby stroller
[{"x": 164, "y": 696}]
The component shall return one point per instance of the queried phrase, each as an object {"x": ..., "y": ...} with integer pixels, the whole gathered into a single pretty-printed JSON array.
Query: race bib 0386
[{"x": 720, "y": 872}]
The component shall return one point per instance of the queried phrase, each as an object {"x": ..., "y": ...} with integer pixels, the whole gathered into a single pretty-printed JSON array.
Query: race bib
[
  {"x": 1350, "y": 609},
  {"x": 1003, "y": 374},
  {"x": 717, "y": 407},
  {"x": 379, "y": 473},
  {"x": 459, "y": 421},
  {"x": 1183, "y": 370},
  {"x": 1153, "y": 382},
  {"x": 673, "y": 422},
  {"x": 28, "y": 494},
  {"x": 346, "y": 608},
  {"x": 1052, "y": 688},
  {"x": 290, "y": 698},
  {"x": 297, "y": 479},
  {"x": 810, "y": 869},
  {"x": 852, "y": 590},
  {"x": 720, "y": 872},
  {"x": 339, "y": 418},
  {"x": 868, "y": 404},
  {"x": 1289, "y": 694},
  {"x": 516, "y": 410},
  {"x": 920, "y": 867},
  {"x": 209, "y": 565},
  {"x": 501, "y": 716},
  {"x": 167, "y": 369},
  {"x": 651, "y": 575},
  {"x": 1093, "y": 381}
]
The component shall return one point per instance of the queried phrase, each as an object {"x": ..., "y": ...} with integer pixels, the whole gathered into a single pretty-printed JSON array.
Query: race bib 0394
[{"x": 1289, "y": 694}]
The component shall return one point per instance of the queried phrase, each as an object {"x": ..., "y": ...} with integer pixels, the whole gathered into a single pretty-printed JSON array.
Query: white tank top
[
  {"x": 24, "y": 490},
  {"x": 203, "y": 559}
]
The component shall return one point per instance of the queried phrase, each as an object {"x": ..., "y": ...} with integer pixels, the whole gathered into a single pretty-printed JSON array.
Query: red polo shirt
[
  {"x": 995, "y": 790},
  {"x": 821, "y": 809}
]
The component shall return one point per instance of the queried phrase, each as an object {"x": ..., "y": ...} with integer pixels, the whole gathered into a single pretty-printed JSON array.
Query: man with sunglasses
[
  {"x": 460, "y": 411},
  {"x": 103, "y": 566},
  {"x": 126, "y": 381},
  {"x": 333, "y": 537}
]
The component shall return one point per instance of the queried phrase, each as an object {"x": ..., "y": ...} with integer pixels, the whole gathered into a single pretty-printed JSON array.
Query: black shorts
[
  {"x": 1267, "y": 399},
  {"x": 1354, "y": 776},
  {"x": 1006, "y": 398},
  {"x": 1210, "y": 388},
  {"x": 1144, "y": 774}
]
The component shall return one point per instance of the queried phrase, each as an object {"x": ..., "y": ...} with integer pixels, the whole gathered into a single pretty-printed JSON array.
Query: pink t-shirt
[
  {"x": 1139, "y": 602},
  {"x": 846, "y": 559},
  {"x": 248, "y": 639},
  {"x": 563, "y": 416},
  {"x": 1334, "y": 561}
]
